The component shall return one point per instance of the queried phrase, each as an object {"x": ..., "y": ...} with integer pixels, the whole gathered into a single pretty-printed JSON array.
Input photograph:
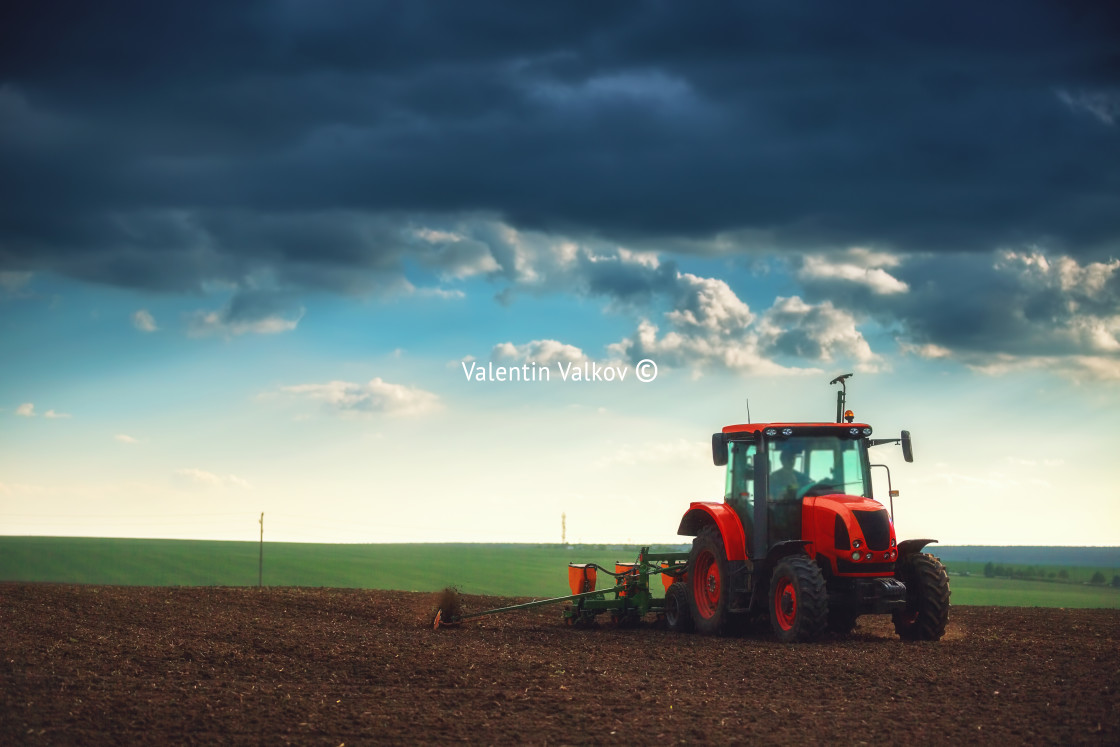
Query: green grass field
[
  {"x": 499, "y": 570},
  {"x": 1005, "y": 592}
]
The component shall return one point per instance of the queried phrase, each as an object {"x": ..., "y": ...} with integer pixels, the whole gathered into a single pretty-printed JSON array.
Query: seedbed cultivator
[{"x": 628, "y": 601}]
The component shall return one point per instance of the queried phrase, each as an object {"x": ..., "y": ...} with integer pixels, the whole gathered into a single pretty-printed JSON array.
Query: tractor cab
[{"x": 773, "y": 467}]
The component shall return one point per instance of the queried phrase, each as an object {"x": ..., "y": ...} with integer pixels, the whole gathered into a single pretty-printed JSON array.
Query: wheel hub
[
  {"x": 787, "y": 602},
  {"x": 707, "y": 589}
]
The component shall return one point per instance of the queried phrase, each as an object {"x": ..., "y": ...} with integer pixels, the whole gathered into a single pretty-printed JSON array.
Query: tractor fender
[
  {"x": 781, "y": 550},
  {"x": 909, "y": 547},
  {"x": 788, "y": 547},
  {"x": 723, "y": 518}
]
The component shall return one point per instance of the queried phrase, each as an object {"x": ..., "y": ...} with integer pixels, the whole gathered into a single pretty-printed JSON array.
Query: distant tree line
[{"x": 998, "y": 570}]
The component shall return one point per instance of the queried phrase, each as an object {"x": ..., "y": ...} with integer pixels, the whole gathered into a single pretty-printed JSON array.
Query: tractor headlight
[
  {"x": 771, "y": 432},
  {"x": 857, "y": 544},
  {"x": 867, "y": 431},
  {"x": 787, "y": 431},
  {"x": 854, "y": 431},
  {"x": 867, "y": 556},
  {"x": 856, "y": 555}
]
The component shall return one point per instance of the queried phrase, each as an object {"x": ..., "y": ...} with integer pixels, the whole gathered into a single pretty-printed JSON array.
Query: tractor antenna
[
  {"x": 842, "y": 395},
  {"x": 748, "y": 399}
]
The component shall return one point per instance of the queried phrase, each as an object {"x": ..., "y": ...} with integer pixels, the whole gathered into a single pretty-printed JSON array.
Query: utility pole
[
  {"x": 260, "y": 566},
  {"x": 563, "y": 529}
]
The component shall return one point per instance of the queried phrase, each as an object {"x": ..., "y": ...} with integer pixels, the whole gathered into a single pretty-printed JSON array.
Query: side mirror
[
  {"x": 719, "y": 449},
  {"x": 907, "y": 447}
]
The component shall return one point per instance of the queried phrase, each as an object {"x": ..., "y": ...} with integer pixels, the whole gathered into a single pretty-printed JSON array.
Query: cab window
[
  {"x": 834, "y": 464},
  {"x": 739, "y": 488}
]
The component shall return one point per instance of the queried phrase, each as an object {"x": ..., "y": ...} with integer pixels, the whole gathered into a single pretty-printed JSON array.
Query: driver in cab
[{"x": 785, "y": 482}]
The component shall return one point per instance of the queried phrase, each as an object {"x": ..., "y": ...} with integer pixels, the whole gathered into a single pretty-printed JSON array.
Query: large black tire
[
  {"x": 709, "y": 584},
  {"x": 678, "y": 611},
  {"x": 927, "y": 598},
  {"x": 798, "y": 600}
]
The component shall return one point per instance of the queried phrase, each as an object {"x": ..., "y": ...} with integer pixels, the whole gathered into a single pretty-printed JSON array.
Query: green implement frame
[{"x": 627, "y": 602}]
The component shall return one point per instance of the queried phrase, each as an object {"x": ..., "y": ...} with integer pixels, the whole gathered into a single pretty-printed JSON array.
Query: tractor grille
[{"x": 876, "y": 528}]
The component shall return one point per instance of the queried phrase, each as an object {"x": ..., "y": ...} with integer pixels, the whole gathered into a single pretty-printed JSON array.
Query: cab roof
[{"x": 756, "y": 427}]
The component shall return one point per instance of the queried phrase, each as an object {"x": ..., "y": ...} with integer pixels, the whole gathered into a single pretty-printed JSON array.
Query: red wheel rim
[
  {"x": 707, "y": 584},
  {"x": 785, "y": 604}
]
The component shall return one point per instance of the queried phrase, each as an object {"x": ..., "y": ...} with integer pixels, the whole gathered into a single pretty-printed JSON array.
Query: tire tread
[
  {"x": 812, "y": 599},
  {"x": 930, "y": 594}
]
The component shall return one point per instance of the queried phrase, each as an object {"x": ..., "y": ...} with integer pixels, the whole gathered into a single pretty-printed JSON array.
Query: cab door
[{"x": 739, "y": 492}]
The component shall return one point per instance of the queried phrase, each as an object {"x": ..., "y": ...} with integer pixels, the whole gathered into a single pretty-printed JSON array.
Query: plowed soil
[{"x": 94, "y": 665}]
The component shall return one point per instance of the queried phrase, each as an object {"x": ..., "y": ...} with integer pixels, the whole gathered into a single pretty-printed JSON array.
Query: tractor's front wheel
[
  {"x": 710, "y": 585},
  {"x": 678, "y": 612},
  {"x": 798, "y": 600},
  {"x": 927, "y": 598}
]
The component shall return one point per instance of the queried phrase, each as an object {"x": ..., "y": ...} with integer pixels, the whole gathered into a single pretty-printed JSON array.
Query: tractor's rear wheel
[
  {"x": 678, "y": 612},
  {"x": 927, "y": 598},
  {"x": 709, "y": 583},
  {"x": 798, "y": 600}
]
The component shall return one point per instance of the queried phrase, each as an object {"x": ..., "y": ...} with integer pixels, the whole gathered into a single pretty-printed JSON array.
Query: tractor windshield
[{"x": 817, "y": 465}]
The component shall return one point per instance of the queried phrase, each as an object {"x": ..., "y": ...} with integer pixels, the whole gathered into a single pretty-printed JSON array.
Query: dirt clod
[{"x": 449, "y": 606}]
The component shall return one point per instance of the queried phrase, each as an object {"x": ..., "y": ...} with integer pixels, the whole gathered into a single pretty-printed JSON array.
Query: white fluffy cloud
[
  {"x": 143, "y": 320},
  {"x": 27, "y": 410},
  {"x": 711, "y": 326},
  {"x": 1038, "y": 270},
  {"x": 541, "y": 352},
  {"x": 1081, "y": 315},
  {"x": 1082, "y": 369},
  {"x": 374, "y": 396},
  {"x": 455, "y": 253},
  {"x": 857, "y": 265},
  {"x": 708, "y": 304},
  {"x": 207, "y": 323},
  {"x": 821, "y": 333}
]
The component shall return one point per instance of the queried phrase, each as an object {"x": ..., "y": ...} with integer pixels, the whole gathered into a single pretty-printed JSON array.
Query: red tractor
[{"x": 800, "y": 539}]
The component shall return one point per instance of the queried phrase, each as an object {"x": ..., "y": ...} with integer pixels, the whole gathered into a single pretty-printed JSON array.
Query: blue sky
[{"x": 245, "y": 254}]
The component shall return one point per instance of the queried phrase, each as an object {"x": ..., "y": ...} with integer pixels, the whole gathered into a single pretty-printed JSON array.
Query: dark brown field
[{"x": 94, "y": 665}]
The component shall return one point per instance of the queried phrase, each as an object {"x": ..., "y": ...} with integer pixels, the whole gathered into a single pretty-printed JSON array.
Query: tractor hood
[
  {"x": 855, "y": 524},
  {"x": 837, "y": 502}
]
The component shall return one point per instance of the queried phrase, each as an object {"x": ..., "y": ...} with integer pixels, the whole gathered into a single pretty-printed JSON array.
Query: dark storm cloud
[
  {"x": 824, "y": 125},
  {"x": 628, "y": 282}
]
